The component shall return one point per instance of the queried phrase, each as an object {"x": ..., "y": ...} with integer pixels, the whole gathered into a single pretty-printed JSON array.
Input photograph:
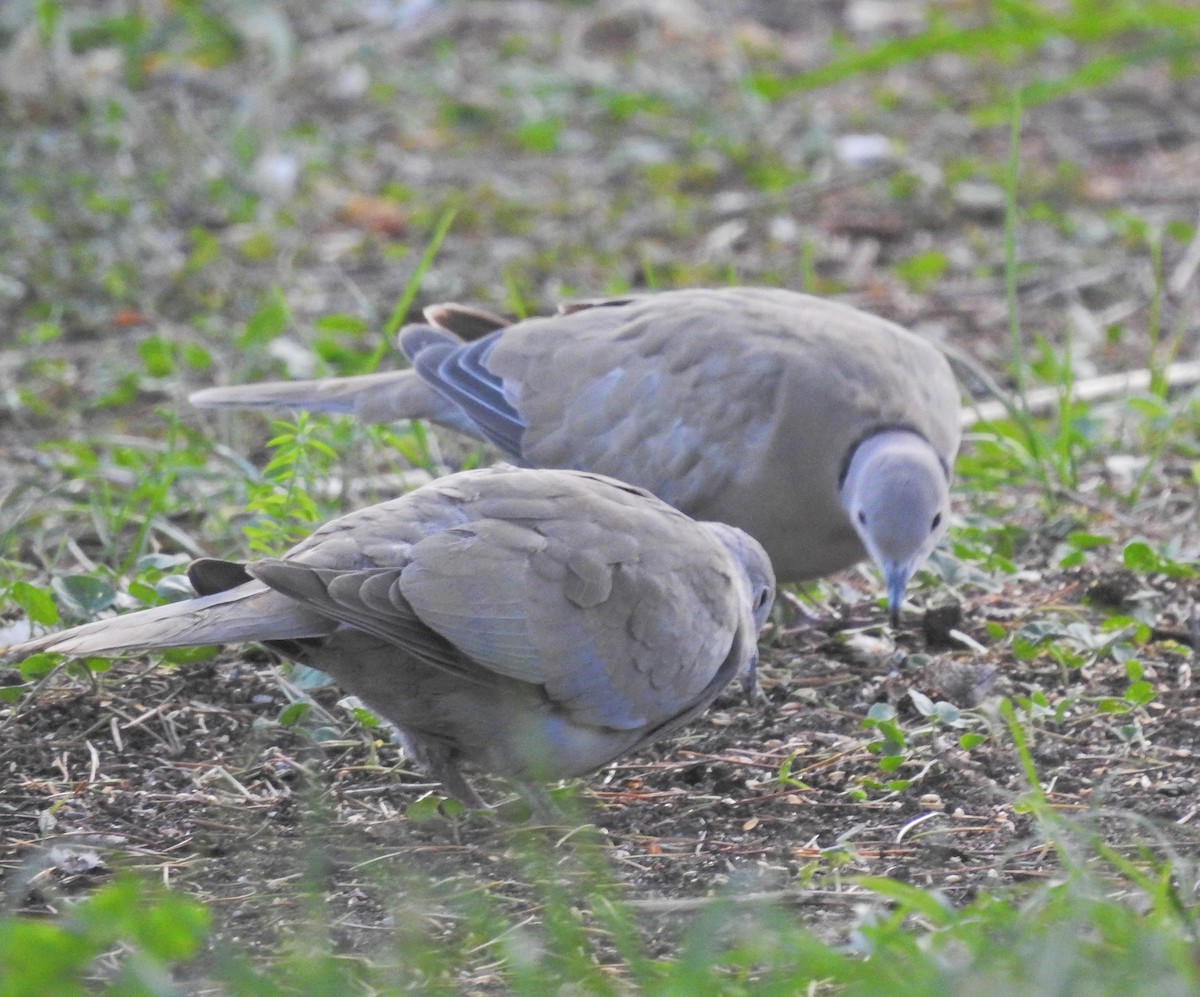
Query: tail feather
[
  {"x": 370, "y": 397},
  {"x": 385, "y": 397},
  {"x": 250, "y": 612},
  {"x": 414, "y": 339}
]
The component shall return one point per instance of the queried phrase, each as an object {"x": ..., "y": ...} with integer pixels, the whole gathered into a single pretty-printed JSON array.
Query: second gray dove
[
  {"x": 533, "y": 623},
  {"x": 826, "y": 433}
]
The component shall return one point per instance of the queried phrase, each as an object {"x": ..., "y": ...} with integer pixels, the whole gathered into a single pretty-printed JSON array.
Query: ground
[{"x": 589, "y": 148}]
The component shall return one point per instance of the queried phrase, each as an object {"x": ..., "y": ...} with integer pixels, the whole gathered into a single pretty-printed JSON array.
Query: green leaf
[
  {"x": 364, "y": 717},
  {"x": 879, "y": 712},
  {"x": 293, "y": 713},
  {"x": 124, "y": 393},
  {"x": 205, "y": 249},
  {"x": 169, "y": 927},
  {"x": 1150, "y": 408},
  {"x": 1140, "y": 693},
  {"x": 1087, "y": 541},
  {"x": 922, "y": 702},
  {"x": 143, "y": 592},
  {"x": 970, "y": 740},
  {"x": 344, "y": 325},
  {"x": 174, "y": 588},
  {"x": 453, "y": 808},
  {"x": 1139, "y": 556},
  {"x": 424, "y": 810},
  {"x": 37, "y": 603},
  {"x": 174, "y": 929},
  {"x": 37, "y": 665},
  {"x": 92, "y": 666},
  {"x": 306, "y": 678},
  {"x": 190, "y": 655},
  {"x": 160, "y": 562},
  {"x": 84, "y": 595},
  {"x": 922, "y": 270},
  {"x": 539, "y": 136},
  {"x": 158, "y": 357},
  {"x": 933, "y": 907},
  {"x": 43, "y": 957},
  {"x": 893, "y": 737},
  {"x": 1024, "y": 650},
  {"x": 196, "y": 356},
  {"x": 259, "y": 246},
  {"x": 947, "y": 713},
  {"x": 266, "y": 323},
  {"x": 49, "y": 13}
]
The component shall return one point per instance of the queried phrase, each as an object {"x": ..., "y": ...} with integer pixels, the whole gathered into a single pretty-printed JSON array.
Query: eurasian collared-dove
[
  {"x": 826, "y": 433},
  {"x": 534, "y": 623}
]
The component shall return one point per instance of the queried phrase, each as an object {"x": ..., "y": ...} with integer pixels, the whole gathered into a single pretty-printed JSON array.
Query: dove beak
[
  {"x": 750, "y": 680},
  {"x": 896, "y": 577}
]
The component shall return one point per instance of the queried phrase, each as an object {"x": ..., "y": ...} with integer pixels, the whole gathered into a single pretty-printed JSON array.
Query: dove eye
[
  {"x": 763, "y": 595},
  {"x": 937, "y": 521},
  {"x": 862, "y": 517}
]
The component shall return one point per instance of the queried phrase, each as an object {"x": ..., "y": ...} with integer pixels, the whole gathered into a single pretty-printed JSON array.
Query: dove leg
[
  {"x": 439, "y": 762},
  {"x": 446, "y": 772},
  {"x": 540, "y": 803}
]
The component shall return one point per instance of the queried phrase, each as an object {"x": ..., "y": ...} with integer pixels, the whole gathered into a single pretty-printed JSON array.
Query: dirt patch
[{"x": 183, "y": 773}]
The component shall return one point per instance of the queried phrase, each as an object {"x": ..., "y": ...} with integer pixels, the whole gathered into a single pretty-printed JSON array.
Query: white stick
[{"x": 1042, "y": 401}]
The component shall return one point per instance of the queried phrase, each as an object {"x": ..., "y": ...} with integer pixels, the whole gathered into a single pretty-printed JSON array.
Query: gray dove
[
  {"x": 533, "y": 623},
  {"x": 826, "y": 433}
]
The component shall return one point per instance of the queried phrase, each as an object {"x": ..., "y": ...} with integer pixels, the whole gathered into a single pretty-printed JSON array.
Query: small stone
[
  {"x": 1114, "y": 588},
  {"x": 783, "y": 229},
  {"x": 939, "y": 621},
  {"x": 979, "y": 199},
  {"x": 859, "y": 150}
]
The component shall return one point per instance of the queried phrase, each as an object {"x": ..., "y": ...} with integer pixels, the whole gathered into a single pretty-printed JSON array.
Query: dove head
[
  {"x": 896, "y": 492},
  {"x": 757, "y": 573},
  {"x": 757, "y": 578}
]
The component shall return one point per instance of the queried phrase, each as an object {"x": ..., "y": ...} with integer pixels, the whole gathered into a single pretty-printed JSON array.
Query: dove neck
[{"x": 884, "y": 445}]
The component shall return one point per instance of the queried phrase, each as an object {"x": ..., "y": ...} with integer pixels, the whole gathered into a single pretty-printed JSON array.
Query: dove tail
[
  {"x": 380, "y": 397},
  {"x": 248, "y": 612},
  {"x": 386, "y": 397}
]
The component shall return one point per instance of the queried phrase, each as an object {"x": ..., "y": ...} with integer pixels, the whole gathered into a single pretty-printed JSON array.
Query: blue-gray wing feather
[{"x": 461, "y": 375}]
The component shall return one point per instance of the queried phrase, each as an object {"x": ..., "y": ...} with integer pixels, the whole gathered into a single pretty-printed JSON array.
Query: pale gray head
[
  {"x": 757, "y": 573},
  {"x": 758, "y": 579},
  {"x": 896, "y": 492}
]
